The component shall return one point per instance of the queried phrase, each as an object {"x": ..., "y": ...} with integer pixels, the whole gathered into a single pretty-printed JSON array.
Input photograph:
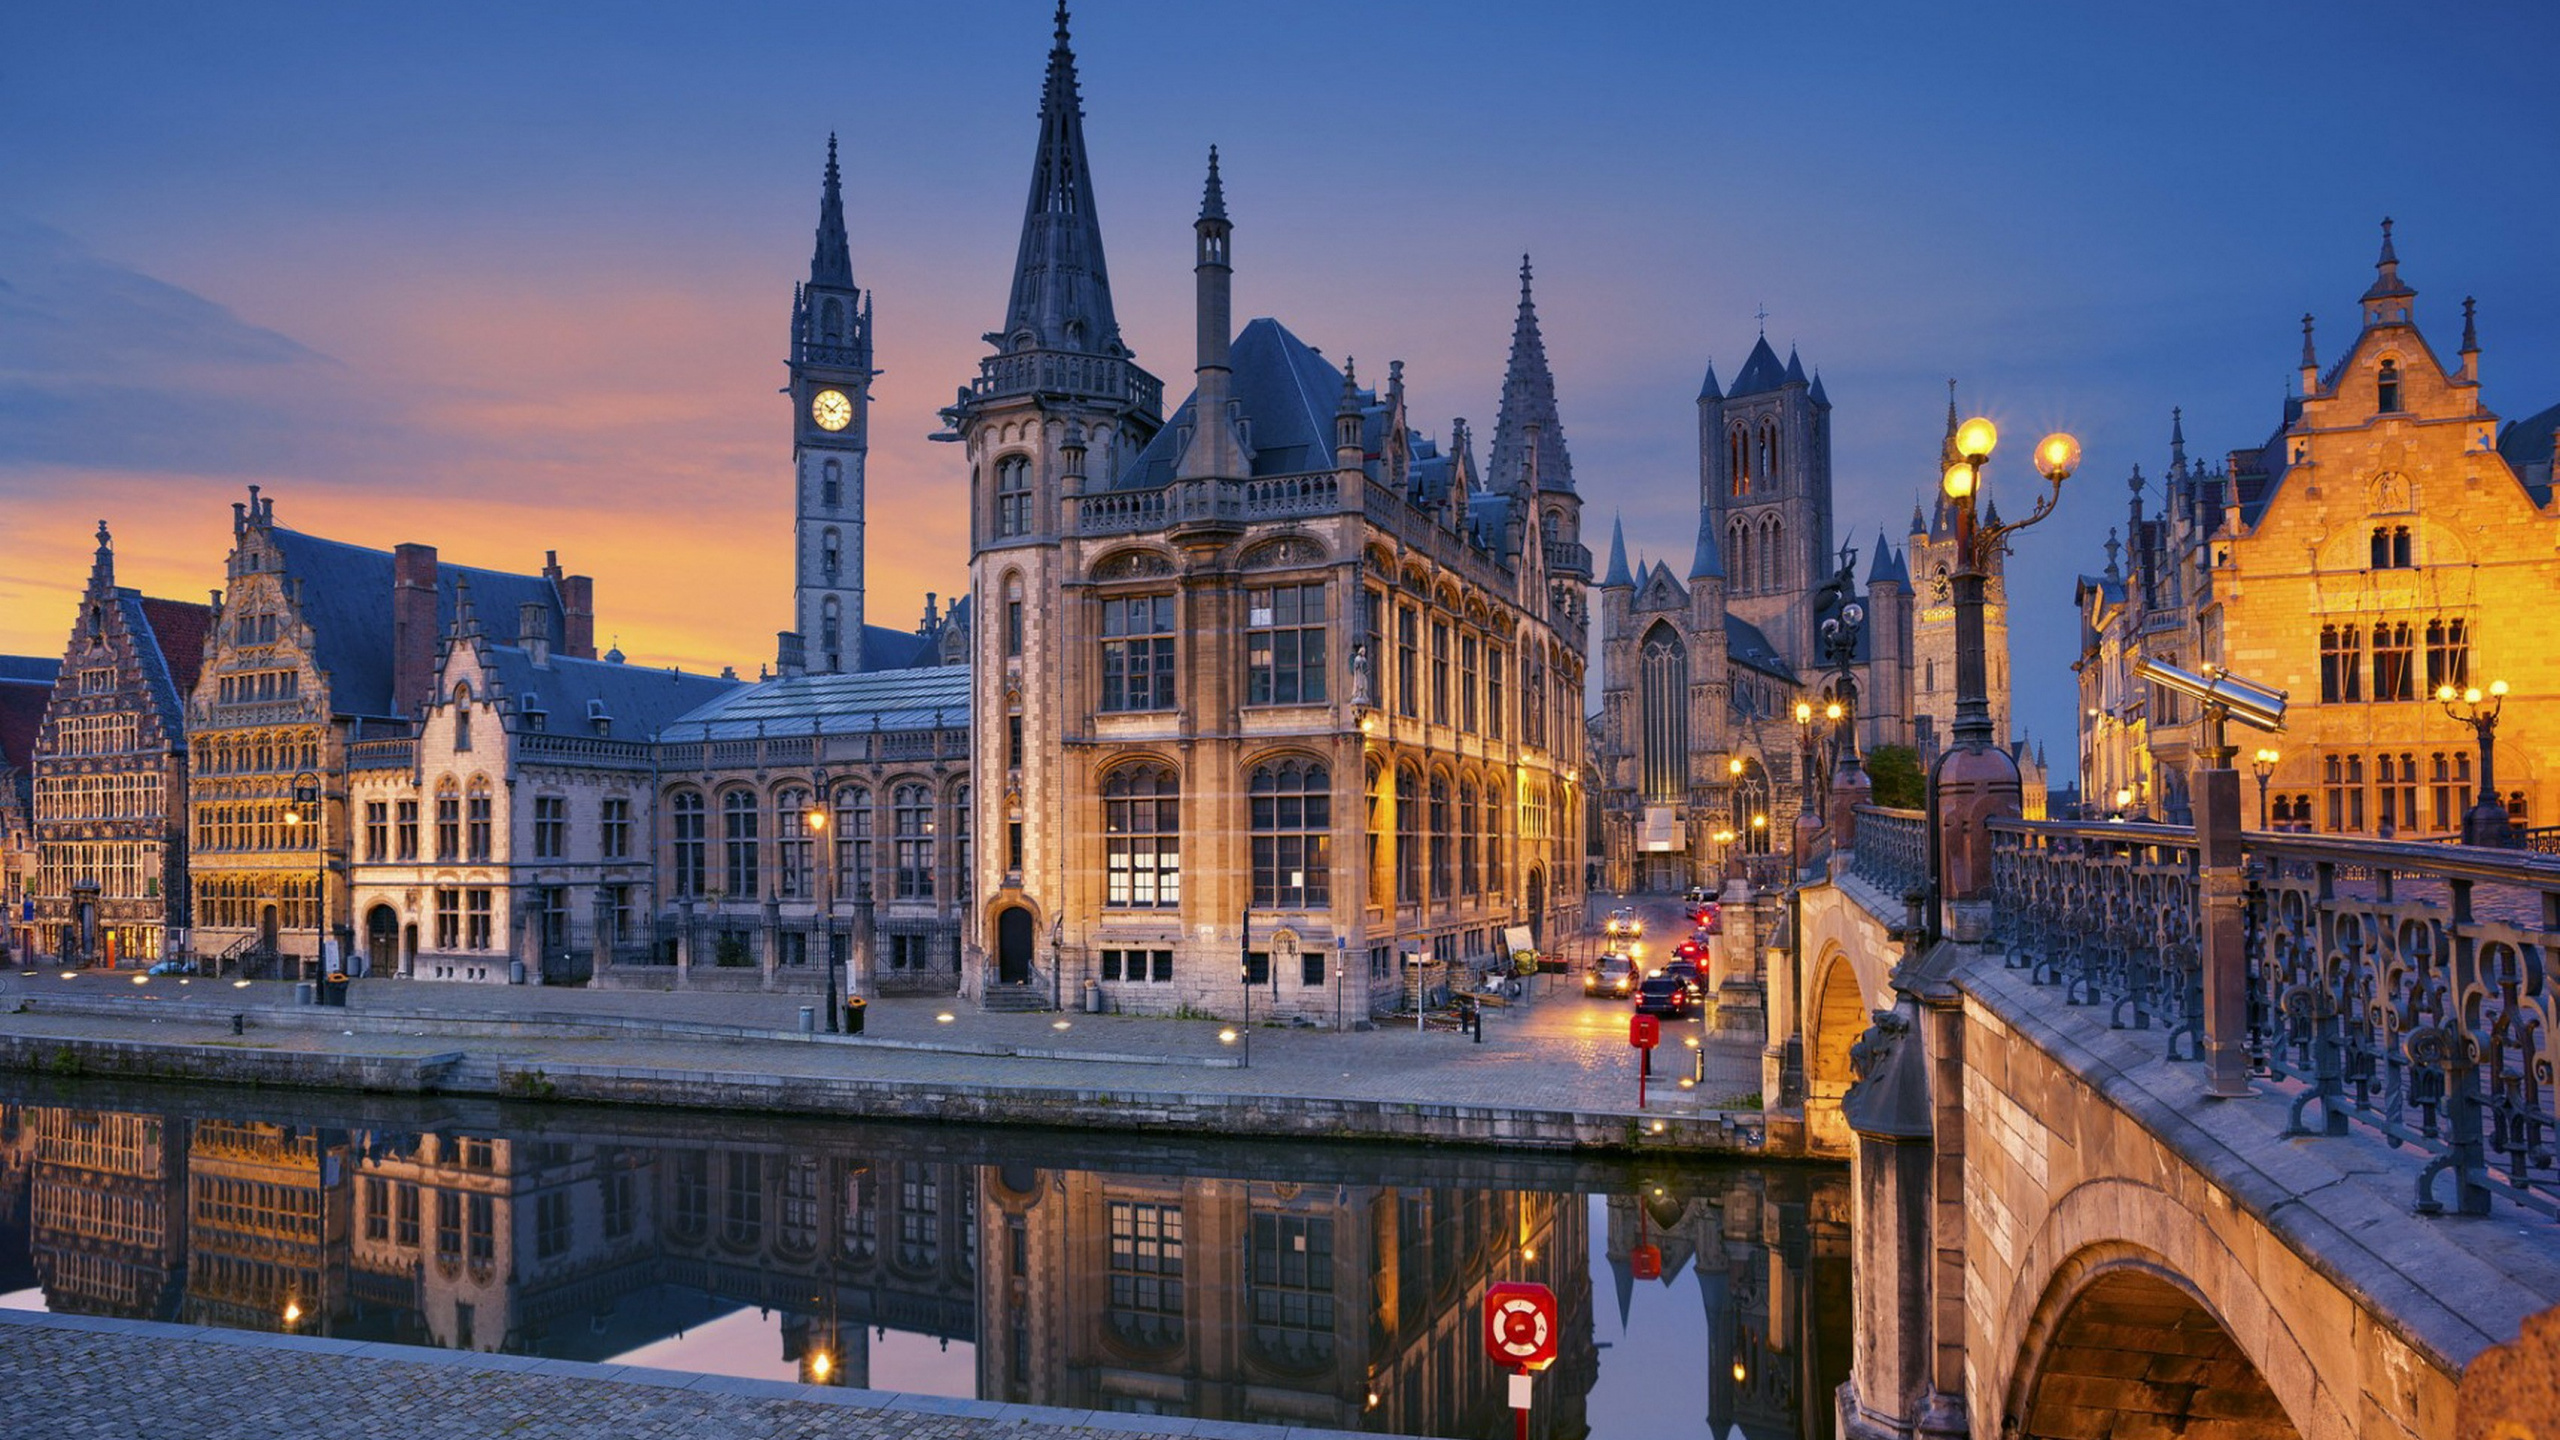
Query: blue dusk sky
[{"x": 506, "y": 278}]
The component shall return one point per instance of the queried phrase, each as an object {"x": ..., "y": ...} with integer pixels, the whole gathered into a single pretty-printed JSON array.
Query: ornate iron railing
[
  {"x": 1893, "y": 850},
  {"x": 2402, "y": 986}
]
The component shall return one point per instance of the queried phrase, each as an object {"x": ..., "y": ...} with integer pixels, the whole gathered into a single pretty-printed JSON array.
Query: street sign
[
  {"x": 1644, "y": 1031},
  {"x": 1520, "y": 1326},
  {"x": 1645, "y": 1262}
]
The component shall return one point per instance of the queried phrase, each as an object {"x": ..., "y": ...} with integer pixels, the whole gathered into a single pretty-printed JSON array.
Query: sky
[{"x": 507, "y": 279}]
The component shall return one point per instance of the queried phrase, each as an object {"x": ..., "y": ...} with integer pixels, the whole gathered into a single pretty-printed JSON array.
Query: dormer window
[{"x": 2386, "y": 387}]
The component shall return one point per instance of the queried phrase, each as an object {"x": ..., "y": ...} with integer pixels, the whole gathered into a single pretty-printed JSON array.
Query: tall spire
[
  {"x": 833, "y": 262},
  {"x": 1947, "y": 453},
  {"x": 1061, "y": 288},
  {"x": 1708, "y": 562},
  {"x": 2177, "y": 437},
  {"x": 2387, "y": 302},
  {"x": 1618, "y": 575},
  {"x": 1528, "y": 414},
  {"x": 1214, "y": 451}
]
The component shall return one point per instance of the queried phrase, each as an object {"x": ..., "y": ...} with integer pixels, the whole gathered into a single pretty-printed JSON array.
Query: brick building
[{"x": 26, "y": 686}]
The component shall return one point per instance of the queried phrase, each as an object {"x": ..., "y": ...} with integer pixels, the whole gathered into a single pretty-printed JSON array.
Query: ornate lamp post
[
  {"x": 2263, "y": 765},
  {"x": 2485, "y": 823},
  {"x": 1975, "y": 779},
  {"x": 817, "y": 825}
]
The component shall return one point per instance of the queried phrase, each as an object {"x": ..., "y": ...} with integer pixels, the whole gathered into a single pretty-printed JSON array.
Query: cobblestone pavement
[{"x": 74, "y": 1378}]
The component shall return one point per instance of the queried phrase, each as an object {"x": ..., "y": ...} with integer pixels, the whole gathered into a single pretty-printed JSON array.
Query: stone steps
[{"x": 1013, "y": 1000}]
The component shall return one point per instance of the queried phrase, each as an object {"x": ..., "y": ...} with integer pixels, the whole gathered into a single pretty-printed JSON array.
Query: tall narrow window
[
  {"x": 741, "y": 875},
  {"x": 853, "y": 842},
  {"x": 2394, "y": 662},
  {"x": 1442, "y": 836},
  {"x": 911, "y": 817},
  {"x": 831, "y": 487},
  {"x": 687, "y": 836},
  {"x": 377, "y": 829},
  {"x": 1408, "y": 661},
  {"x": 1467, "y": 684},
  {"x": 1142, "y": 838},
  {"x": 1379, "y": 871},
  {"x": 1738, "y": 462},
  {"x": 448, "y": 820},
  {"x": 830, "y": 554},
  {"x": 1439, "y": 672},
  {"x": 2448, "y": 654},
  {"x": 1013, "y": 496},
  {"x": 1664, "y": 678},
  {"x": 1497, "y": 790},
  {"x": 550, "y": 827},
  {"x": 1137, "y": 653},
  {"x": 791, "y": 842},
  {"x": 1012, "y": 615},
  {"x": 1291, "y": 804},
  {"x": 1470, "y": 878},
  {"x": 404, "y": 832},
  {"x": 1408, "y": 838},
  {"x": 613, "y": 828},
  {"x": 1751, "y": 821},
  {"x": 479, "y": 820},
  {"x": 1495, "y": 696},
  {"x": 1285, "y": 645},
  {"x": 2341, "y": 665},
  {"x": 2386, "y": 387}
]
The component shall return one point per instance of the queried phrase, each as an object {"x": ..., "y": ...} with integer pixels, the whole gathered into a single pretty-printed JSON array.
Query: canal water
[{"x": 1283, "y": 1283}]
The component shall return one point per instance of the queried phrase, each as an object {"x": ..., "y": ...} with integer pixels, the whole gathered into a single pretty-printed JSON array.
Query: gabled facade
[
  {"x": 2389, "y": 537},
  {"x": 111, "y": 776},
  {"x": 26, "y": 687},
  {"x": 1278, "y": 678},
  {"x": 509, "y": 837},
  {"x": 317, "y": 646}
]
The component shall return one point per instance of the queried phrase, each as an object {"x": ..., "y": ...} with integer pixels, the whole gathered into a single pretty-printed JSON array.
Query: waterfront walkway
[{"x": 83, "y": 1378}]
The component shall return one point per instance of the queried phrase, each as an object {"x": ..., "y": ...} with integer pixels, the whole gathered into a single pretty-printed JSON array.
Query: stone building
[
  {"x": 2387, "y": 538},
  {"x": 317, "y": 646},
  {"x": 1933, "y": 563},
  {"x": 106, "y": 1222},
  {"x": 111, "y": 776},
  {"x": 514, "y": 827},
  {"x": 752, "y": 892},
  {"x": 1701, "y": 673},
  {"x": 1278, "y": 678},
  {"x": 26, "y": 687}
]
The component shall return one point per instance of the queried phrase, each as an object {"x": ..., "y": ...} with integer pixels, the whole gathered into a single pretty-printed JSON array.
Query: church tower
[
  {"x": 1764, "y": 476},
  {"x": 831, "y": 408},
  {"x": 1056, "y": 413}
]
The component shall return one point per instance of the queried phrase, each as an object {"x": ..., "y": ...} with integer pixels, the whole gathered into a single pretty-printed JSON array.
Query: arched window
[
  {"x": 1737, "y": 544},
  {"x": 1739, "y": 462},
  {"x": 911, "y": 823},
  {"x": 1443, "y": 834},
  {"x": 1408, "y": 837},
  {"x": 831, "y": 483},
  {"x": 461, "y": 718},
  {"x": 830, "y": 554},
  {"x": 1663, "y": 700},
  {"x": 1013, "y": 496},
  {"x": 1470, "y": 876},
  {"x": 853, "y": 842},
  {"x": 740, "y": 877},
  {"x": 1379, "y": 870},
  {"x": 1497, "y": 791},
  {"x": 1769, "y": 450},
  {"x": 1142, "y": 838},
  {"x": 2386, "y": 387},
  {"x": 831, "y": 629},
  {"x": 685, "y": 832},
  {"x": 1751, "y": 821},
  {"x": 1012, "y": 614},
  {"x": 1291, "y": 804},
  {"x": 831, "y": 322}
]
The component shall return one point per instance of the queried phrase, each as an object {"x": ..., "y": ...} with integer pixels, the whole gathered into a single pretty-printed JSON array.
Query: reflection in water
[{"x": 1322, "y": 1286}]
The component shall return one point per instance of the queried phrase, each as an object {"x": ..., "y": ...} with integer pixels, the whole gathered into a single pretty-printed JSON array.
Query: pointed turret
[
  {"x": 2387, "y": 302},
  {"x": 1528, "y": 415},
  {"x": 1618, "y": 578},
  {"x": 1761, "y": 371},
  {"x": 1708, "y": 563},
  {"x": 1919, "y": 521},
  {"x": 1947, "y": 452},
  {"x": 1350, "y": 451},
  {"x": 1214, "y": 451},
  {"x": 1795, "y": 367},
  {"x": 1061, "y": 288},
  {"x": 832, "y": 264},
  {"x": 1709, "y": 389},
  {"x": 1887, "y": 565},
  {"x": 2310, "y": 360},
  {"x": 1816, "y": 395},
  {"x": 2177, "y": 439}
]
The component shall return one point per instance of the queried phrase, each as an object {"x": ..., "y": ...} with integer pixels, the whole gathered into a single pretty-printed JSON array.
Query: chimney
[
  {"x": 577, "y": 608},
  {"x": 791, "y": 653},
  {"x": 413, "y": 627},
  {"x": 533, "y": 632}
]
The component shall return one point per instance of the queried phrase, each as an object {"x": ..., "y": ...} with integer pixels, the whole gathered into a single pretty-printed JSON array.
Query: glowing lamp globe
[
  {"x": 2471, "y": 696},
  {"x": 2498, "y": 687},
  {"x": 1975, "y": 439},
  {"x": 2445, "y": 693},
  {"x": 1804, "y": 712},
  {"x": 2057, "y": 455}
]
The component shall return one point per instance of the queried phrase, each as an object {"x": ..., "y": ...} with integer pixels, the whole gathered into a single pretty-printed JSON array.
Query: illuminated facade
[
  {"x": 2389, "y": 538},
  {"x": 1280, "y": 654}
]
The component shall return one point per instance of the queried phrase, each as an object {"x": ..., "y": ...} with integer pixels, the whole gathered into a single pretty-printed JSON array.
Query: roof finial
[
  {"x": 1062, "y": 24},
  {"x": 104, "y": 543},
  {"x": 1213, "y": 198},
  {"x": 2309, "y": 361},
  {"x": 1762, "y": 315},
  {"x": 1524, "y": 277},
  {"x": 2177, "y": 435},
  {"x": 2470, "y": 330},
  {"x": 2388, "y": 258}
]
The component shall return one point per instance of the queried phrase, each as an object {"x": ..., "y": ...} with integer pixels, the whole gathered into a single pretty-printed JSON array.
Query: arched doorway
[
  {"x": 382, "y": 938},
  {"x": 1013, "y": 946},
  {"x": 2135, "y": 1352},
  {"x": 1538, "y": 907}
]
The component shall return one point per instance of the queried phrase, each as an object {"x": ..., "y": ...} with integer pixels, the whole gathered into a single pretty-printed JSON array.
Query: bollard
[
  {"x": 239, "y": 1024},
  {"x": 808, "y": 1019},
  {"x": 303, "y": 993},
  {"x": 853, "y": 1009}
]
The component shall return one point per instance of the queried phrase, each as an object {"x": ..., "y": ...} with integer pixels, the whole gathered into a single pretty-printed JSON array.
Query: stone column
[
  {"x": 602, "y": 919},
  {"x": 769, "y": 940},
  {"x": 687, "y": 938},
  {"x": 1892, "y": 1392}
]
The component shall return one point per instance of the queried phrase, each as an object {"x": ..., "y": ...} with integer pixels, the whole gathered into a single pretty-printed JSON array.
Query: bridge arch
[
  {"x": 1840, "y": 1016},
  {"x": 2120, "y": 1273}
]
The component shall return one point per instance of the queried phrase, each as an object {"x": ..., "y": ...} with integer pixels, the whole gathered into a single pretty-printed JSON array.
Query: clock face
[{"x": 831, "y": 410}]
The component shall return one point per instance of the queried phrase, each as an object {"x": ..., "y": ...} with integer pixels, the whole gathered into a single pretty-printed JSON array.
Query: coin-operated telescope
[{"x": 2223, "y": 695}]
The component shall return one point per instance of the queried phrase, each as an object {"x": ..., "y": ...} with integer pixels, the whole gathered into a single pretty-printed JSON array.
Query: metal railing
[
  {"x": 1892, "y": 850},
  {"x": 2400, "y": 986}
]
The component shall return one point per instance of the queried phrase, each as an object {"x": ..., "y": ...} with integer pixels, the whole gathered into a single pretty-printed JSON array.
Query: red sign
[
  {"x": 1520, "y": 1324},
  {"x": 1644, "y": 1031},
  {"x": 1645, "y": 1262}
]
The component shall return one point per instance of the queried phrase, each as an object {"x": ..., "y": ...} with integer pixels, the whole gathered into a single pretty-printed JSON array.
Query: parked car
[
  {"x": 1664, "y": 995},
  {"x": 1613, "y": 975},
  {"x": 173, "y": 967}
]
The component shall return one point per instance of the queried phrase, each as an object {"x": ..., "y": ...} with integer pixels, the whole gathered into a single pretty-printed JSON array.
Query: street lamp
[
  {"x": 307, "y": 809},
  {"x": 2263, "y": 765},
  {"x": 817, "y": 824},
  {"x": 2486, "y": 822}
]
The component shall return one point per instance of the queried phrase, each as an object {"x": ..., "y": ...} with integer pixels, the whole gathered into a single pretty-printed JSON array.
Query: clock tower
[{"x": 831, "y": 412}]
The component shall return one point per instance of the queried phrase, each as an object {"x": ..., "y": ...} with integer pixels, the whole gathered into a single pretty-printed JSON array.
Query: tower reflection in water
[{"x": 1322, "y": 1286}]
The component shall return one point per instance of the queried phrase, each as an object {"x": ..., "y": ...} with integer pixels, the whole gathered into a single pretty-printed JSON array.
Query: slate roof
[
  {"x": 1528, "y": 398},
  {"x": 1708, "y": 562},
  {"x": 1887, "y": 564},
  {"x": 1284, "y": 391},
  {"x": 22, "y": 704},
  {"x": 639, "y": 700},
  {"x": 1746, "y": 646},
  {"x": 1760, "y": 374},
  {"x": 179, "y": 629},
  {"x": 2526, "y": 447},
  {"x": 1708, "y": 389},
  {"x": 916, "y": 699},
  {"x": 1618, "y": 557},
  {"x": 38, "y": 668},
  {"x": 346, "y": 599}
]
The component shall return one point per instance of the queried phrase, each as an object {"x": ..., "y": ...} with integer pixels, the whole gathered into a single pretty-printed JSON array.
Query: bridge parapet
[{"x": 2402, "y": 987}]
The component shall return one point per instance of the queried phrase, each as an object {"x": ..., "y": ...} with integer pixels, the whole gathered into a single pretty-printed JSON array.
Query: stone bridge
[{"x": 2059, "y": 1235}]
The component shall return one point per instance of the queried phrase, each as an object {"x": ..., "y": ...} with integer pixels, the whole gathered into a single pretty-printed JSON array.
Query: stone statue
[{"x": 1360, "y": 686}]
